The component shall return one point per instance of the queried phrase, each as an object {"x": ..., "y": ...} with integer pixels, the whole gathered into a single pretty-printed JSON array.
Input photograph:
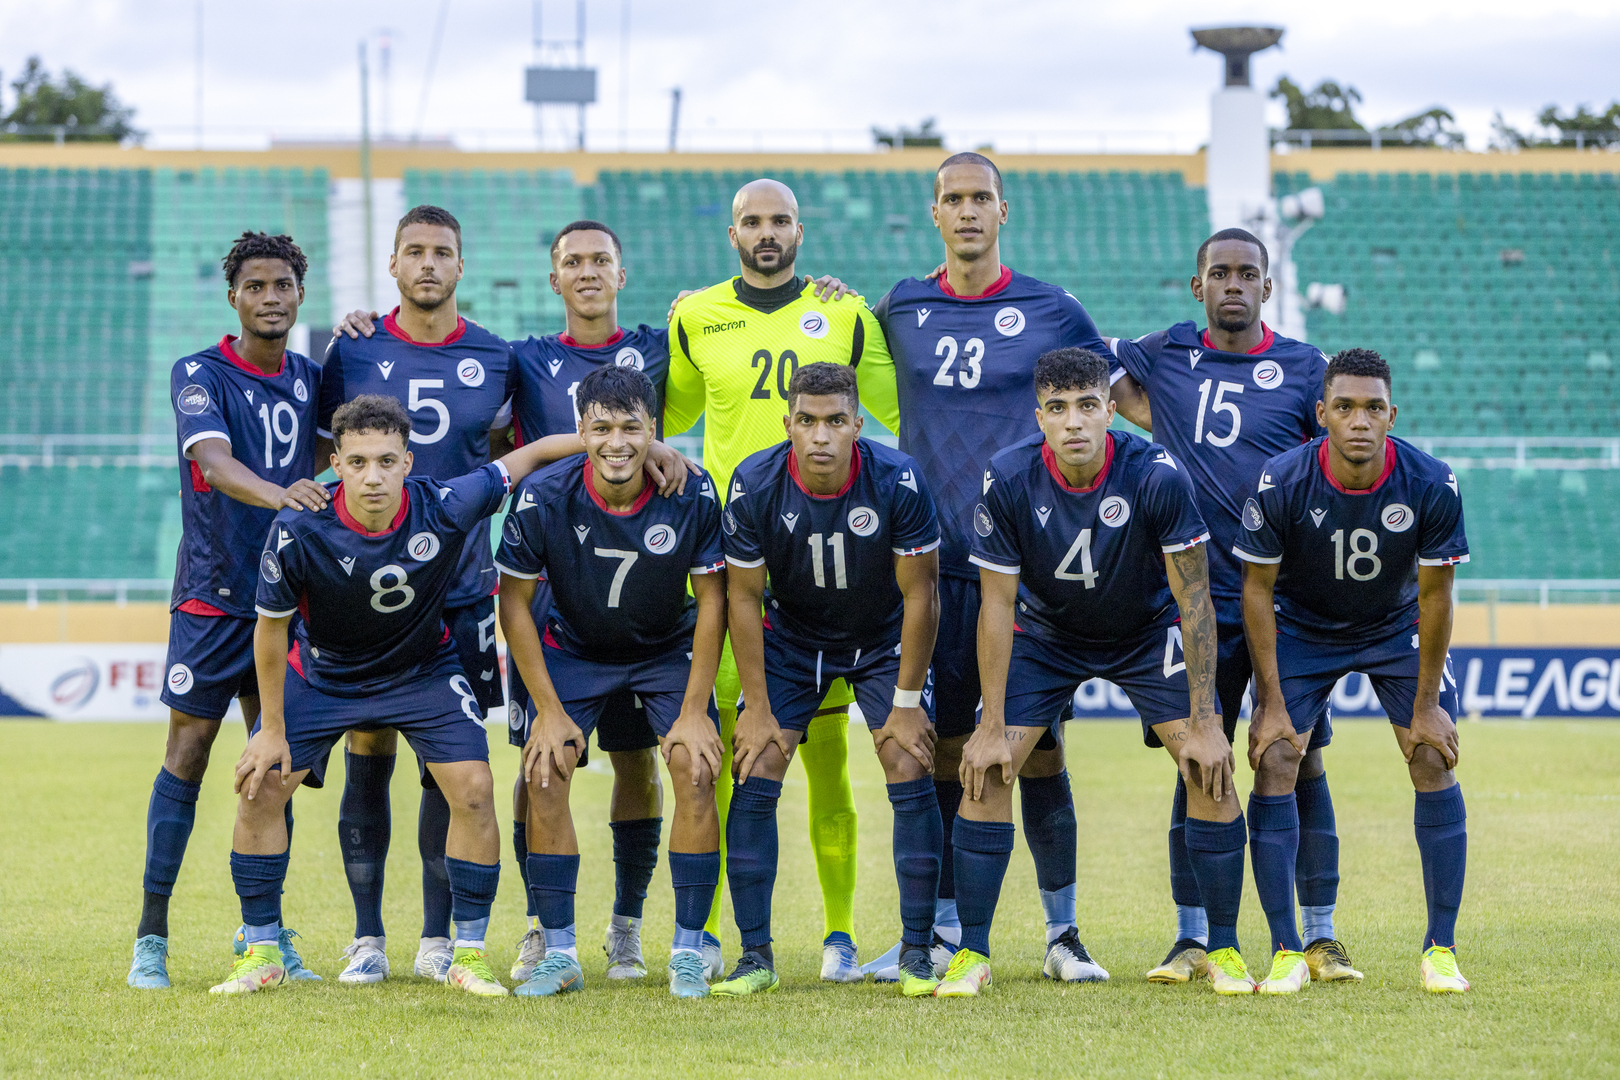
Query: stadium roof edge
[{"x": 344, "y": 161}]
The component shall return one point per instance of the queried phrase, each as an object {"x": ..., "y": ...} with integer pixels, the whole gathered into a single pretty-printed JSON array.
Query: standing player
[
  {"x": 1089, "y": 547},
  {"x": 733, "y": 350},
  {"x": 245, "y": 420},
  {"x": 369, "y": 575},
  {"x": 964, "y": 344},
  {"x": 618, "y": 622},
  {"x": 853, "y": 596},
  {"x": 1350, "y": 544},
  {"x": 1225, "y": 400}
]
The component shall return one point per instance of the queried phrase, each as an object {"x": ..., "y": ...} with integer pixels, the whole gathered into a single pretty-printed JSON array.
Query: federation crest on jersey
[
  {"x": 180, "y": 679},
  {"x": 813, "y": 324},
  {"x": 514, "y": 715},
  {"x": 1268, "y": 375},
  {"x": 192, "y": 400},
  {"x": 1253, "y": 519},
  {"x": 1114, "y": 512},
  {"x": 863, "y": 521},
  {"x": 981, "y": 520},
  {"x": 659, "y": 539},
  {"x": 629, "y": 356},
  {"x": 423, "y": 546},
  {"x": 1009, "y": 322},
  {"x": 300, "y": 391},
  {"x": 1397, "y": 517},
  {"x": 470, "y": 372},
  {"x": 270, "y": 567}
]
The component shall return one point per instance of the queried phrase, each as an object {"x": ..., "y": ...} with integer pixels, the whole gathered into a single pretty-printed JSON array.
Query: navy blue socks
[
  {"x": 258, "y": 881},
  {"x": 983, "y": 849},
  {"x": 1050, "y": 831},
  {"x": 1441, "y": 822},
  {"x": 432, "y": 827},
  {"x": 918, "y": 838},
  {"x": 635, "y": 856},
  {"x": 520, "y": 847},
  {"x": 1316, "y": 872},
  {"x": 751, "y": 857},
  {"x": 949, "y": 795},
  {"x": 695, "y": 876},
  {"x": 364, "y": 830},
  {"x": 170, "y": 814},
  {"x": 1273, "y": 846},
  {"x": 553, "y": 880},
  {"x": 472, "y": 892},
  {"x": 1216, "y": 853}
]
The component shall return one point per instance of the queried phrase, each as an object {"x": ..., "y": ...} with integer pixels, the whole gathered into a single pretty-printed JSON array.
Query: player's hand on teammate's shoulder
[
  {"x": 1207, "y": 748},
  {"x": 682, "y": 295},
  {"x": 830, "y": 288},
  {"x": 910, "y": 728},
  {"x": 263, "y": 751},
  {"x": 696, "y": 732},
  {"x": 987, "y": 748},
  {"x": 1271, "y": 723},
  {"x": 357, "y": 324},
  {"x": 756, "y": 730},
  {"x": 1431, "y": 725},
  {"x": 935, "y": 272},
  {"x": 303, "y": 495},
  {"x": 668, "y": 468},
  {"x": 546, "y": 753}
]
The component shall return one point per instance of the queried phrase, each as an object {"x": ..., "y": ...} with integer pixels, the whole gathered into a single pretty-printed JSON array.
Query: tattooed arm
[{"x": 1206, "y": 759}]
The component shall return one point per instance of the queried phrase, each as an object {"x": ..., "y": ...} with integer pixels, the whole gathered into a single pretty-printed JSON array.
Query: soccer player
[
  {"x": 245, "y": 420},
  {"x": 733, "y": 350},
  {"x": 370, "y": 575},
  {"x": 1091, "y": 557},
  {"x": 1223, "y": 401},
  {"x": 834, "y": 539},
  {"x": 964, "y": 344},
  {"x": 1350, "y": 544},
  {"x": 619, "y": 622}
]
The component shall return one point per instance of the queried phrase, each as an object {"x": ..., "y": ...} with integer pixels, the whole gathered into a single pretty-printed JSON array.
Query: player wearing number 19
[
  {"x": 1350, "y": 544},
  {"x": 1089, "y": 546}
]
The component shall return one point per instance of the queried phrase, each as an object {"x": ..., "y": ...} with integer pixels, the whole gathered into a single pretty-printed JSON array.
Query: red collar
[
  {"x": 348, "y": 518},
  {"x": 1389, "y": 467},
  {"x": 854, "y": 471},
  {"x": 230, "y": 354},
  {"x": 391, "y": 324},
  {"x": 1265, "y": 342},
  {"x": 1000, "y": 283},
  {"x": 1057, "y": 474},
  {"x": 618, "y": 336},
  {"x": 641, "y": 500}
]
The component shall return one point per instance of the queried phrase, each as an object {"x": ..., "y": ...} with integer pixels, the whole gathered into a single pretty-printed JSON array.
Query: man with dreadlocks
[{"x": 244, "y": 413}]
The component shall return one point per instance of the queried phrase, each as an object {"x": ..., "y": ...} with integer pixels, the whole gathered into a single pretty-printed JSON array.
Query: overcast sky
[{"x": 812, "y": 73}]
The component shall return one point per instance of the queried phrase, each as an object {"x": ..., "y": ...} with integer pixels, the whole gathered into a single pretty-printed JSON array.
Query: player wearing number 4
[
  {"x": 845, "y": 532},
  {"x": 1089, "y": 546},
  {"x": 1350, "y": 544},
  {"x": 618, "y": 558},
  {"x": 370, "y": 574}
]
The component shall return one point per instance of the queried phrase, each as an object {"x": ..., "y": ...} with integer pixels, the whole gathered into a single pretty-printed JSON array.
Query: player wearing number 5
[
  {"x": 733, "y": 350},
  {"x": 1350, "y": 543}
]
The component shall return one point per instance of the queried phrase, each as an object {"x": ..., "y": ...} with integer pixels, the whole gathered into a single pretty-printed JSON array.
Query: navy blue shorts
[
  {"x": 436, "y": 711},
  {"x": 210, "y": 661},
  {"x": 622, "y": 726},
  {"x": 956, "y": 663},
  {"x": 472, "y": 628},
  {"x": 1233, "y": 667},
  {"x": 587, "y": 688},
  {"x": 797, "y": 678},
  {"x": 1043, "y": 677},
  {"x": 1310, "y": 669}
]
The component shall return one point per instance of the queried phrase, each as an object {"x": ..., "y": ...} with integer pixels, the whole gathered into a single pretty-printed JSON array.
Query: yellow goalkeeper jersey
[{"x": 732, "y": 351}]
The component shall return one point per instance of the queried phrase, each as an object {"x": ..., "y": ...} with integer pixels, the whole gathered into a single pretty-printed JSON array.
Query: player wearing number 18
[{"x": 1350, "y": 544}]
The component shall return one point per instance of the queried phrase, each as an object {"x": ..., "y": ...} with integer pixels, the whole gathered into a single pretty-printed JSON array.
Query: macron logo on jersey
[
  {"x": 908, "y": 480},
  {"x": 1451, "y": 482},
  {"x": 582, "y": 531},
  {"x": 555, "y": 366},
  {"x": 191, "y": 369},
  {"x": 1317, "y": 516},
  {"x": 1043, "y": 513},
  {"x": 386, "y": 367},
  {"x": 737, "y": 491},
  {"x": 525, "y": 500},
  {"x": 445, "y": 493},
  {"x": 348, "y": 565},
  {"x": 1164, "y": 458},
  {"x": 283, "y": 539},
  {"x": 790, "y": 520},
  {"x": 249, "y": 394},
  {"x": 1195, "y": 355},
  {"x": 1265, "y": 482},
  {"x": 988, "y": 480},
  {"x": 922, "y": 316}
]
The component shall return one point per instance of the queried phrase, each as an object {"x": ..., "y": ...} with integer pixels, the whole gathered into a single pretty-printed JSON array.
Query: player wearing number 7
[{"x": 1350, "y": 544}]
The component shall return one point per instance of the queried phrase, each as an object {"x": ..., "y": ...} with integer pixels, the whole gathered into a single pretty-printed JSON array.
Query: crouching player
[
  {"x": 848, "y": 536},
  {"x": 618, "y": 557},
  {"x": 1354, "y": 538},
  {"x": 369, "y": 574},
  {"x": 1089, "y": 544}
]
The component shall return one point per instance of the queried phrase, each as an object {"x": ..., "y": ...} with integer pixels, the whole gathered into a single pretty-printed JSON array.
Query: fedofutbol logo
[
  {"x": 814, "y": 324},
  {"x": 659, "y": 539},
  {"x": 1009, "y": 322},
  {"x": 1114, "y": 512},
  {"x": 1253, "y": 519},
  {"x": 1268, "y": 375},
  {"x": 180, "y": 679},
  {"x": 270, "y": 568},
  {"x": 192, "y": 400},
  {"x": 76, "y": 686},
  {"x": 728, "y": 522},
  {"x": 981, "y": 520},
  {"x": 511, "y": 531},
  {"x": 863, "y": 521},
  {"x": 423, "y": 546},
  {"x": 1398, "y": 517},
  {"x": 470, "y": 372},
  {"x": 630, "y": 357},
  {"x": 300, "y": 391}
]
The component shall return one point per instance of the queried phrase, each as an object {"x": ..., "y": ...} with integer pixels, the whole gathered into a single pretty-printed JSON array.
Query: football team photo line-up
[{"x": 1272, "y": 537}]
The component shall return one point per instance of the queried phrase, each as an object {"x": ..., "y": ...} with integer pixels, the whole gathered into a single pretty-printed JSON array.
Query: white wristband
[{"x": 907, "y": 699}]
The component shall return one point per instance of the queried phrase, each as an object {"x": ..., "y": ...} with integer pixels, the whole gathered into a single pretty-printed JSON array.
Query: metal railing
[
  {"x": 92, "y": 590},
  {"x": 1522, "y": 452},
  {"x": 86, "y": 451},
  {"x": 1538, "y": 590}
]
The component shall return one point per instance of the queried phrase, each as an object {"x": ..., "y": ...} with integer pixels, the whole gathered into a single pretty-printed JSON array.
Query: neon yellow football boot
[
  {"x": 1289, "y": 974},
  {"x": 258, "y": 968},
  {"x": 470, "y": 971},
  {"x": 752, "y": 975},
  {"x": 1228, "y": 974},
  {"x": 1440, "y": 974},
  {"x": 968, "y": 974}
]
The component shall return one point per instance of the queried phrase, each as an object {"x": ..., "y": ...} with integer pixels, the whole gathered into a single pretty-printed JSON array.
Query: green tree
[
  {"x": 1329, "y": 107},
  {"x": 1433, "y": 127},
  {"x": 1593, "y": 129},
  {"x": 83, "y": 112},
  {"x": 923, "y": 135}
]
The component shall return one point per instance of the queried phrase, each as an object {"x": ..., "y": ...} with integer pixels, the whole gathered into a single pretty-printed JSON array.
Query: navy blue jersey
[
  {"x": 1223, "y": 416},
  {"x": 373, "y": 603},
  {"x": 1090, "y": 561},
  {"x": 1349, "y": 559},
  {"x": 831, "y": 557},
  {"x": 456, "y": 392},
  {"x": 269, "y": 420},
  {"x": 964, "y": 370},
  {"x": 549, "y": 370},
  {"x": 618, "y": 581}
]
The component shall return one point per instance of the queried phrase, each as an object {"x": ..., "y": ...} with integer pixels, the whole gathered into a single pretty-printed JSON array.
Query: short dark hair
[
  {"x": 258, "y": 245},
  {"x": 1235, "y": 234},
  {"x": 586, "y": 226},
  {"x": 372, "y": 412},
  {"x": 968, "y": 157},
  {"x": 824, "y": 380},
  {"x": 429, "y": 215},
  {"x": 1070, "y": 368},
  {"x": 1359, "y": 362},
  {"x": 616, "y": 389}
]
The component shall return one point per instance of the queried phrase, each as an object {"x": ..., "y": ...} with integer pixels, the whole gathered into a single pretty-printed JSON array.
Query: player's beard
[
  {"x": 1233, "y": 324},
  {"x": 275, "y": 334},
  {"x": 434, "y": 303},
  {"x": 750, "y": 258}
]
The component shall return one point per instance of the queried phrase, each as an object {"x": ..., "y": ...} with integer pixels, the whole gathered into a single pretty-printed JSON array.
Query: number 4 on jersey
[{"x": 1082, "y": 548}]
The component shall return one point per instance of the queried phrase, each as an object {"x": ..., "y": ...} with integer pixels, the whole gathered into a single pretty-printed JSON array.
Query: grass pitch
[{"x": 1537, "y": 931}]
